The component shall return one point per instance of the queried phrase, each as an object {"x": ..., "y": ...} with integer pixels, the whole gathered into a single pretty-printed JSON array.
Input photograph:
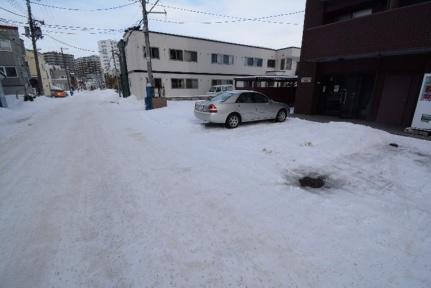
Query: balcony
[{"x": 392, "y": 32}]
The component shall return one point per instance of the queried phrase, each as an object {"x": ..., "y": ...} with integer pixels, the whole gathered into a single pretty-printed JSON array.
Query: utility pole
[
  {"x": 145, "y": 12},
  {"x": 116, "y": 71},
  {"x": 147, "y": 42},
  {"x": 65, "y": 68},
  {"x": 34, "y": 38}
]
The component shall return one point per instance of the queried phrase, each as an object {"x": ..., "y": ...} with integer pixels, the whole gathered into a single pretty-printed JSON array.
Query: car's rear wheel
[
  {"x": 281, "y": 115},
  {"x": 233, "y": 121}
]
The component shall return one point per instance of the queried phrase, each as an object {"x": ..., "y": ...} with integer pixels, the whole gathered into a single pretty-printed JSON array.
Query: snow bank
[{"x": 20, "y": 114}]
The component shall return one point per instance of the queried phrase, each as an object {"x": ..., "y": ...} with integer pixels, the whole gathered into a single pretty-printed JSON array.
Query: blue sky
[{"x": 286, "y": 32}]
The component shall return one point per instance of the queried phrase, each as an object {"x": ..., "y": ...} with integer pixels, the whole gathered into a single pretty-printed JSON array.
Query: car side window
[
  {"x": 259, "y": 98},
  {"x": 245, "y": 98}
]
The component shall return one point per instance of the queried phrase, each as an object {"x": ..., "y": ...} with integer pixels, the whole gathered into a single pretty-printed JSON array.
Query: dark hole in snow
[
  {"x": 394, "y": 145},
  {"x": 312, "y": 182}
]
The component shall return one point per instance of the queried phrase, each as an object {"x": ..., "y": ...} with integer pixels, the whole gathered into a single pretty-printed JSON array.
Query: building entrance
[{"x": 346, "y": 96}]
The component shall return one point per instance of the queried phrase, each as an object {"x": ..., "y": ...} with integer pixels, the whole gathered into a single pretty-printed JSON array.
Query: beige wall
[
  {"x": 29, "y": 56},
  {"x": 203, "y": 70}
]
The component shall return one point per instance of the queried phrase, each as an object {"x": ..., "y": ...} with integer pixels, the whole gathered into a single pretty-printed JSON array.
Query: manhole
[{"x": 312, "y": 182}]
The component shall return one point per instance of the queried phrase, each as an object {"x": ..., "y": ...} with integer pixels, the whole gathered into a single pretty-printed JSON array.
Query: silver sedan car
[{"x": 234, "y": 107}]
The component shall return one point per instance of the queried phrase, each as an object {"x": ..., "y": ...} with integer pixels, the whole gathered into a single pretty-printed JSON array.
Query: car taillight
[{"x": 212, "y": 108}]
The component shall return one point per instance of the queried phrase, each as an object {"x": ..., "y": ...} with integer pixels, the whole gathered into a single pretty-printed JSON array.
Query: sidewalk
[{"x": 388, "y": 128}]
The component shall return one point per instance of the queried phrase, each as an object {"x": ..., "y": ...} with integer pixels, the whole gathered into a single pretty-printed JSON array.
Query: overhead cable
[
  {"x": 88, "y": 10},
  {"x": 70, "y": 45}
]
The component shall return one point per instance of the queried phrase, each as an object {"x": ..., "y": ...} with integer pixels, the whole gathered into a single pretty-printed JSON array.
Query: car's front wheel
[
  {"x": 233, "y": 121},
  {"x": 281, "y": 115}
]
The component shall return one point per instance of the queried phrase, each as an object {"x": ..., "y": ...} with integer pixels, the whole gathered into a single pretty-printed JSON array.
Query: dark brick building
[{"x": 364, "y": 59}]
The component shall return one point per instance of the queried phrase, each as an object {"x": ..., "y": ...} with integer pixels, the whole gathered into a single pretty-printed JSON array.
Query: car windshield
[{"x": 222, "y": 97}]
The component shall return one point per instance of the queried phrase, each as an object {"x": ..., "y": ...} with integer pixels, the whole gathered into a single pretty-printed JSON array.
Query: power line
[
  {"x": 62, "y": 30},
  {"x": 226, "y": 16},
  {"x": 93, "y": 30},
  {"x": 70, "y": 45},
  {"x": 88, "y": 10},
  {"x": 14, "y": 13},
  {"x": 49, "y": 13},
  {"x": 16, "y": 5},
  {"x": 68, "y": 27},
  {"x": 226, "y": 21},
  {"x": 59, "y": 32},
  {"x": 238, "y": 19}
]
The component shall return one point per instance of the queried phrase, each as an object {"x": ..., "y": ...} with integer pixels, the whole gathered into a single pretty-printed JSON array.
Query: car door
[
  {"x": 264, "y": 109},
  {"x": 246, "y": 107}
]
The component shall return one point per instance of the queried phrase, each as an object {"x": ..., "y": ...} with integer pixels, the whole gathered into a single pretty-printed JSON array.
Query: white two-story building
[{"x": 186, "y": 66}]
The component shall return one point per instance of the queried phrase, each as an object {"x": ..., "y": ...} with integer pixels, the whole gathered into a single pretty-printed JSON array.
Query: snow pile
[
  {"x": 111, "y": 195},
  {"x": 19, "y": 113},
  {"x": 13, "y": 101}
]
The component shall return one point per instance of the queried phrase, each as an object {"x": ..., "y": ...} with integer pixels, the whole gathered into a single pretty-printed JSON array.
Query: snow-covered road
[{"x": 95, "y": 193}]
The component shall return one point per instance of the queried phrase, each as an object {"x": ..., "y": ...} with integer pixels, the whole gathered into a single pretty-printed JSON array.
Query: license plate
[{"x": 200, "y": 107}]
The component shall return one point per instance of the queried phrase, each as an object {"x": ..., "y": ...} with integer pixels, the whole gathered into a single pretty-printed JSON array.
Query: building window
[
  {"x": 249, "y": 61},
  {"x": 177, "y": 83},
  {"x": 9, "y": 71},
  {"x": 157, "y": 83},
  {"x": 354, "y": 14},
  {"x": 259, "y": 62},
  {"x": 5, "y": 45},
  {"x": 192, "y": 84},
  {"x": 282, "y": 64},
  {"x": 154, "y": 53},
  {"x": 222, "y": 59},
  {"x": 410, "y": 2},
  {"x": 190, "y": 56},
  {"x": 176, "y": 54},
  {"x": 289, "y": 62},
  {"x": 271, "y": 63},
  {"x": 362, "y": 13},
  {"x": 216, "y": 82},
  {"x": 228, "y": 59}
]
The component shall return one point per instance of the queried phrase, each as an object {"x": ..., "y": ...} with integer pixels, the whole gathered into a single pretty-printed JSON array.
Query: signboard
[
  {"x": 422, "y": 118},
  {"x": 306, "y": 79}
]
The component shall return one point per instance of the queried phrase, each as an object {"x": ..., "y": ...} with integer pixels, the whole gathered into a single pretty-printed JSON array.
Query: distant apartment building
[
  {"x": 364, "y": 59},
  {"x": 56, "y": 58},
  {"x": 57, "y": 77},
  {"x": 189, "y": 66},
  {"x": 109, "y": 56},
  {"x": 89, "y": 70},
  {"x": 44, "y": 71},
  {"x": 12, "y": 61}
]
